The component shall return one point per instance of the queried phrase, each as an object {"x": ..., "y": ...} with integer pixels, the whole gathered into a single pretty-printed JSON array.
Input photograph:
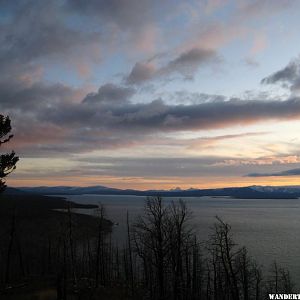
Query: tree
[
  {"x": 224, "y": 255},
  {"x": 8, "y": 160},
  {"x": 152, "y": 244},
  {"x": 168, "y": 250}
]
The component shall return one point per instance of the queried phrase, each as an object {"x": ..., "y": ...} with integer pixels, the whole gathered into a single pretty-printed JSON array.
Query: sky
[{"x": 150, "y": 94}]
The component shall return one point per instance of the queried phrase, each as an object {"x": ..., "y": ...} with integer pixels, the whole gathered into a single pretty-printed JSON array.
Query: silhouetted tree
[
  {"x": 100, "y": 259},
  {"x": 168, "y": 250},
  {"x": 279, "y": 280},
  {"x": 224, "y": 255},
  {"x": 152, "y": 242},
  {"x": 8, "y": 160}
]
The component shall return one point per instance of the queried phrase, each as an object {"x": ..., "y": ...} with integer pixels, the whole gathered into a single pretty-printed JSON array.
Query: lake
[{"x": 269, "y": 228}]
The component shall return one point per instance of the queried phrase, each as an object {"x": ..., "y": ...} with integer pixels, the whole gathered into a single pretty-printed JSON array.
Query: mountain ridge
[{"x": 249, "y": 192}]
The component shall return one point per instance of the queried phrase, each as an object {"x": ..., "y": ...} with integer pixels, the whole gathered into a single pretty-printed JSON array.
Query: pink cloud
[
  {"x": 146, "y": 39},
  {"x": 260, "y": 43}
]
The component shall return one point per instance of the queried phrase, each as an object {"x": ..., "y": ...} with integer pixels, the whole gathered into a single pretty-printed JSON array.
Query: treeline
[
  {"x": 162, "y": 259},
  {"x": 175, "y": 265}
]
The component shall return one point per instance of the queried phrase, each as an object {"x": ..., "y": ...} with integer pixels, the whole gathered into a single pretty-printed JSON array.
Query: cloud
[
  {"x": 291, "y": 172},
  {"x": 178, "y": 166},
  {"x": 157, "y": 166},
  {"x": 135, "y": 21},
  {"x": 209, "y": 142},
  {"x": 35, "y": 31},
  {"x": 60, "y": 118},
  {"x": 188, "y": 62},
  {"x": 263, "y": 161},
  {"x": 213, "y": 5},
  {"x": 236, "y": 25},
  {"x": 109, "y": 93},
  {"x": 125, "y": 14},
  {"x": 263, "y": 8},
  {"x": 186, "y": 97},
  {"x": 97, "y": 165},
  {"x": 159, "y": 116},
  {"x": 52, "y": 54},
  {"x": 140, "y": 73},
  {"x": 289, "y": 75},
  {"x": 185, "y": 64},
  {"x": 16, "y": 95},
  {"x": 108, "y": 119}
]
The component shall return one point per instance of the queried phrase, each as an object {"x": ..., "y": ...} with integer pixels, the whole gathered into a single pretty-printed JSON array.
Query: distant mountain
[
  {"x": 251, "y": 192},
  {"x": 67, "y": 190},
  {"x": 12, "y": 191}
]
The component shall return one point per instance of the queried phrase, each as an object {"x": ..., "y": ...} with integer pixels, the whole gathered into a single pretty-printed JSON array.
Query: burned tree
[
  {"x": 169, "y": 252},
  {"x": 152, "y": 244}
]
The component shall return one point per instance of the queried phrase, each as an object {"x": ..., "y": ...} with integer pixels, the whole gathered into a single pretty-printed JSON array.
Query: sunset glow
[{"x": 152, "y": 94}]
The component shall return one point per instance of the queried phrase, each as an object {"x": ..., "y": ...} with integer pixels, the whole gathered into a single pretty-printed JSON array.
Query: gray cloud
[
  {"x": 36, "y": 30},
  {"x": 264, "y": 8},
  {"x": 125, "y": 14},
  {"x": 19, "y": 96},
  {"x": 40, "y": 38},
  {"x": 140, "y": 73},
  {"x": 163, "y": 167},
  {"x": 289, "y": 75},
  {"x": 109, "y": 93},
  {"x": 159, "y": 116},
  {"x": 188, "y": 62},
  {"x": 291, "y": 172},
  {"x": 182, "y": 167},
  {"x": 184, "y": 64},
  {"x": 157, "y": 167},
  {"x": 108, "y": 119},
  {"x": 87, "y": 125},
  {"x": 54, "y": 117}
]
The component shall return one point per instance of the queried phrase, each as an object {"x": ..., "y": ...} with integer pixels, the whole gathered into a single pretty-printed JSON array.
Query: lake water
[{"x": 269, "y": 228}]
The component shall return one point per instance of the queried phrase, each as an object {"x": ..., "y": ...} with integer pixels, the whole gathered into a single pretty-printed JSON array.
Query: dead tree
[
  {"x": 10, "y": 247},
  {"x": 131, "y": 275},
  {"x": 72, "y": 246},
  {"x": 279, "y": 280},
  {"x": 166, "y": 246},
  {"x": 152, "y": 240},
  {"x": 99, "y": 276},
  {"x": 223, "y": 250},
  {"x": 180, "y": 243}
]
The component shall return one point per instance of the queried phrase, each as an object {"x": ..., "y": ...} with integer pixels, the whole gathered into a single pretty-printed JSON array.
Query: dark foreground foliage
[
  {"x": 7, "y": 160},
  {"x": 47, "y": 254}
]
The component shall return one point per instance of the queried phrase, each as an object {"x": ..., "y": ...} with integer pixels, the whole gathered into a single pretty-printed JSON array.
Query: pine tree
[{"x": 7, "y": 160}]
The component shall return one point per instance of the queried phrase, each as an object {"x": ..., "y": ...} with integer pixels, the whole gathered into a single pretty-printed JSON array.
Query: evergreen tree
[{"x": 7, "y": 160}]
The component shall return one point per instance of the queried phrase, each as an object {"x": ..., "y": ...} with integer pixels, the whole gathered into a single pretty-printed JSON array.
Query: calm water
[{"x": 269, "y": 228}]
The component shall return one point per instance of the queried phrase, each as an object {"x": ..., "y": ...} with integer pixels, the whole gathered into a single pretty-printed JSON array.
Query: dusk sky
[{"x": 151, "y": 94}]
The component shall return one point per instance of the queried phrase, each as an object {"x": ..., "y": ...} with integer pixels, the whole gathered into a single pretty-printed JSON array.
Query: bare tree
[
  {"x": 170, "y": 256},
  {"x": 180, "y": 244},
  {"x": 279, "y": 280},
  {"x": 131, "y": 275},
  {"x": 99, "y": 277},
  {"x": 152, "y": 240},
  {"x": 224, "y": 255}
]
